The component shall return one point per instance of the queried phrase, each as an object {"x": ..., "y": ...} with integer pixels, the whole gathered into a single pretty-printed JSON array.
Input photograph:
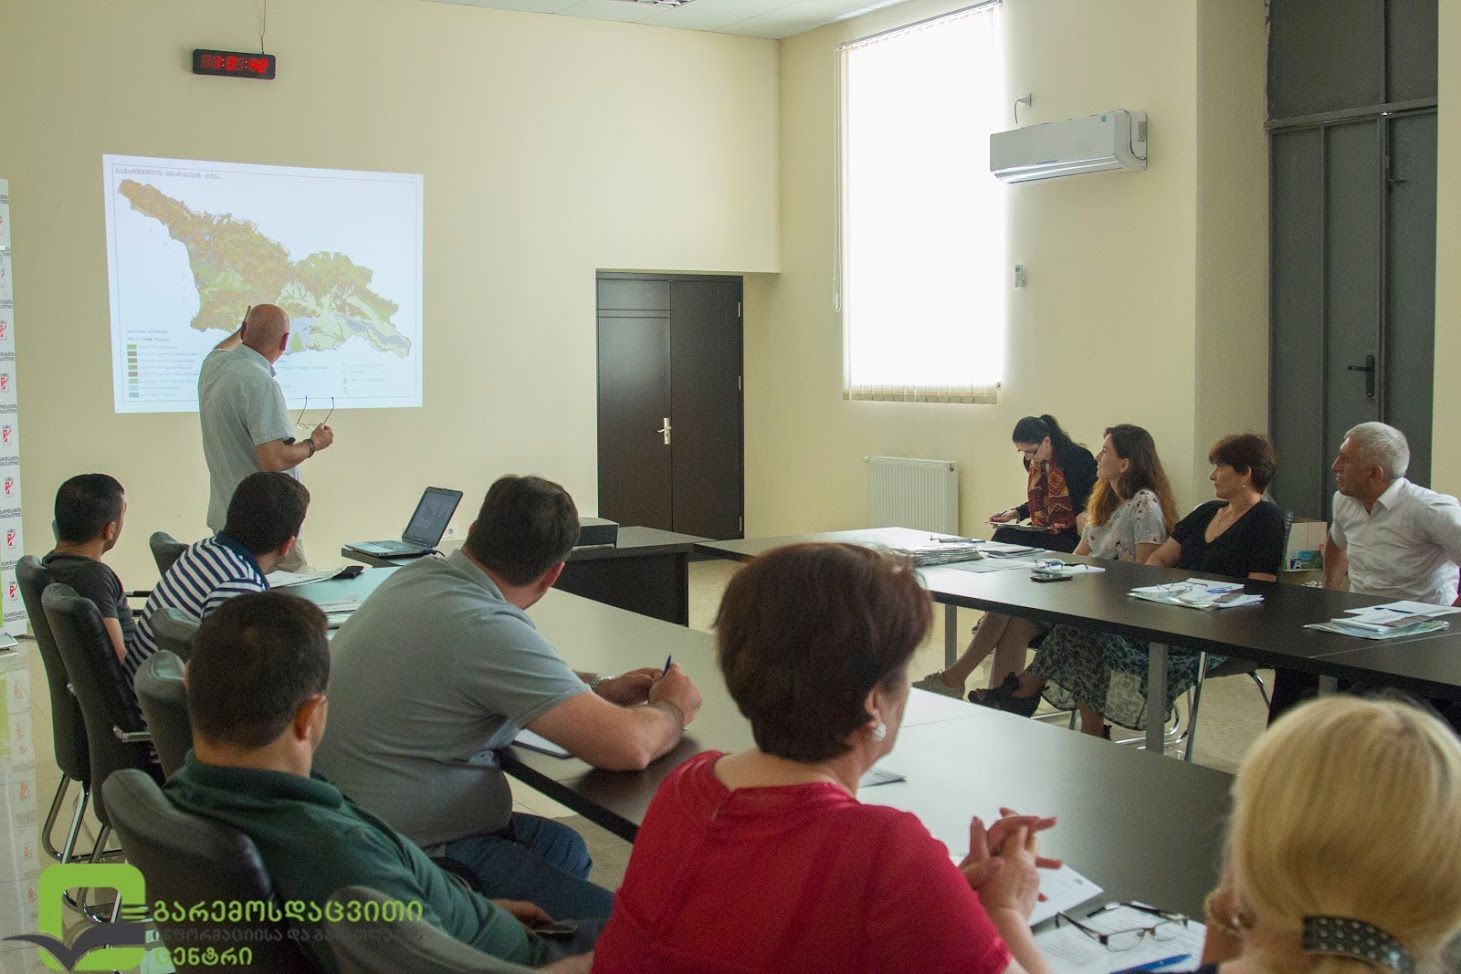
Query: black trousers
[{"x": 1292, "y": 687}]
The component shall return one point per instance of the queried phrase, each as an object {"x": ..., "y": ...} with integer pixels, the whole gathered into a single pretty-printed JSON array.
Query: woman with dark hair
[
  {"x": 1103, "y": 674},
  {"x": 1061, "y": 474},
  {"x": 1129, "y": 514},
  {"x": 765, "y": 860}
]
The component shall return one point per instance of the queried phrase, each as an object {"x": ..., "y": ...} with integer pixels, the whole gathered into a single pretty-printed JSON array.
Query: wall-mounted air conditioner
[{"x": 1096, "y": 143}]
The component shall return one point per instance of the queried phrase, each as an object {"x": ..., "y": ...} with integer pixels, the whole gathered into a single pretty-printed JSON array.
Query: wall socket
[{"x": 1019, "y": 275}]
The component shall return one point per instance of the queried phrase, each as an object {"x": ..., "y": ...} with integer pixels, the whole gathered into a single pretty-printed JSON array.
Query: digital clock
[{"x": 233, "y": 64}]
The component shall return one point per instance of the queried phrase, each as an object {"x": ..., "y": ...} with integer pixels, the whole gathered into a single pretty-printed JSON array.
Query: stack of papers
[
  {"x": 1059, "y": 569},
  {"x": 943, "y": 552},
  {"x": 1198, "y": 593},
  {"x": 1069, "y": 951},
  {"x": 337, "y": 611},
  {"x": 1389, "y": 621}
]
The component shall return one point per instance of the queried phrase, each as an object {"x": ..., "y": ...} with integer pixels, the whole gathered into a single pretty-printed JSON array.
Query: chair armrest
[
  {"x": 140, "y": 594},
  {"x": 132, "y": 737}
]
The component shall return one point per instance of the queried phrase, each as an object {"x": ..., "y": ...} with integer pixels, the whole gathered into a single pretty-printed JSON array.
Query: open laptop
[{"x": 422, "y": 532}]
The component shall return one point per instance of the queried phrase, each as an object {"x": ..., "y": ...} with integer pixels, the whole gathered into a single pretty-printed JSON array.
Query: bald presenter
[{"x": 245, "y": 425}]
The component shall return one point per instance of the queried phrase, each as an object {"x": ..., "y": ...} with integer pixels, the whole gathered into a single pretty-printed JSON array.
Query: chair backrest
[
  {"x": 382, "y": 947},
  {"x": 100, "y": 685},
  {"x": 174, "y": 630},
  {"x": 188, "y": 859},
  {"x": 165, "y": 550},
  {"x": 164, "y": 703},
  {"x": 67, "y": 728}
]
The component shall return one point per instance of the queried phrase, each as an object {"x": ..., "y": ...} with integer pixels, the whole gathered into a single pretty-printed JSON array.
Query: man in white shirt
[{"x": 1393, "y": 538}]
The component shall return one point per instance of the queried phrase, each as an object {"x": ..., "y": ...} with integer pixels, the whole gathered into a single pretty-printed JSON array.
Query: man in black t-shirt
[{"x": 90, "y": 509}]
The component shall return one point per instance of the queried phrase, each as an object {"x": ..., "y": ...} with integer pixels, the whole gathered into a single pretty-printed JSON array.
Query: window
[{"x": 923, "y": 225}]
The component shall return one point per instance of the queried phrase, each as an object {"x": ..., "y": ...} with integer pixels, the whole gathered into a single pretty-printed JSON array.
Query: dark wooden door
[
  {"x": 670, "y": 417},
  {"x": 1352, "y": 122}
]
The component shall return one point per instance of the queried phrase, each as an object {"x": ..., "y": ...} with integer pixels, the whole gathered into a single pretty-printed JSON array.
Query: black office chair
[
  {"x": 165, "y": 550},
  {"x": 174, "y": 630},
  {"x": 115, "y": 734},
  {"x": 381, "y": 947},
  {"x": 189, "y": 859},
  {"x": 68, "y": 731},
  {"x": 1230, "y": 667},
  {"x": 164, "y": 704}
]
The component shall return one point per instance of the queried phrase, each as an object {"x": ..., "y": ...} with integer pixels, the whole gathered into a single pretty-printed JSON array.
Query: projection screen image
[{"x": 191, "y": 245}]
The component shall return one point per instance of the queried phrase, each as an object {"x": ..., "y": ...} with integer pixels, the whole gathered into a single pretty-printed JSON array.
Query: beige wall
[
  {"x": 1445, "y": 444},
  {"x": 550, "y": 147},
  {"x": 1232, "y": 226},
  {"x": 1117, "y": 323}
]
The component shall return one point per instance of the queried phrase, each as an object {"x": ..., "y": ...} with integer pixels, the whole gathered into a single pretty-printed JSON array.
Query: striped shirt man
[{"x": 204, "y": 577}]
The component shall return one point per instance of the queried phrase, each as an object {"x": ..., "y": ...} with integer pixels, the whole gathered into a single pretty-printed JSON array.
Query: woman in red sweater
[{"x": 765, "y": 860}]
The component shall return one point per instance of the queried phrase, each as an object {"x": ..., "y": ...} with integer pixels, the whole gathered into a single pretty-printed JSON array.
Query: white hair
[{"x": 1383, "y": 446}]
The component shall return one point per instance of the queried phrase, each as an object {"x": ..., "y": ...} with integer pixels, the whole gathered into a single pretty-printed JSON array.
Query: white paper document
[
  {"x": 1403, "y": 610},
  {"x": 995, "y": 565},
  {"x": 282, "y": 579},
  {"x": 1069, "y": 951},
  {"x": 1063, "y": 888},
  {"x": 1198, "y": 593},
  {"x": 1347, "y": 626}
]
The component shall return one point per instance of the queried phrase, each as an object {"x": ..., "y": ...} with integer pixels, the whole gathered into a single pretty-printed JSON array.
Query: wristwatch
[{"x": 310, "y": 442}]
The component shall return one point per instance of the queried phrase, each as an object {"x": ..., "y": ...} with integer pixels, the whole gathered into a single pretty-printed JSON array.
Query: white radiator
[{"x": 920, "y": 494}]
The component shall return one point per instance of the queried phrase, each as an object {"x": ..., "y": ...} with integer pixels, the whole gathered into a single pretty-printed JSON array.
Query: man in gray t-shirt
[
  {"x": 241, "y": 408},
  {"x": 441, "y": 667}
]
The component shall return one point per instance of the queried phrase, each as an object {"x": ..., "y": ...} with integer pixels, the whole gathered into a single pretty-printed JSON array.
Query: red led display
[{"x": 233, "y": 64}]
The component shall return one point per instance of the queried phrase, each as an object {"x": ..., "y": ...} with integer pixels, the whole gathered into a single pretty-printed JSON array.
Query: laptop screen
[{"x": 432, "y": 515}]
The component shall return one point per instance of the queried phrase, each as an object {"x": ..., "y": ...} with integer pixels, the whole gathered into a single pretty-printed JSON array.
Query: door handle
[
  {"x": 665, "y": 431},
  {"x": 1368, "y": 369}
]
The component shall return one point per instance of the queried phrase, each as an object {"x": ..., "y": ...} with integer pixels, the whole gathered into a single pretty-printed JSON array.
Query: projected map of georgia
[{"x": 192, "y": 244}]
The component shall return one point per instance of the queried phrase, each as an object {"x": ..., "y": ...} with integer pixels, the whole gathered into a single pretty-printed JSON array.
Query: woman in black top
[
  {"x": 1240, "y": 533},
  {"x": 1061, "y": 474},
  {"x": 1104, "y": 675}
]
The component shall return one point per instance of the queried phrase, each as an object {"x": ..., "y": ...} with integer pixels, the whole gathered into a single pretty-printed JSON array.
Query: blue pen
[
  {"x": 667, "y": 665},
  {"x": 1153, "y": 965}
]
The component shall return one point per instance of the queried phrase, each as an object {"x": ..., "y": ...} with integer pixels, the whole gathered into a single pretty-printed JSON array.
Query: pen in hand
[{"x": 667, "y": 665}]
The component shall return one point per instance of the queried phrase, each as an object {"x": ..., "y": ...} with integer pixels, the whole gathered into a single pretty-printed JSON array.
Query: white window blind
[{"x": 923, "y": 272}]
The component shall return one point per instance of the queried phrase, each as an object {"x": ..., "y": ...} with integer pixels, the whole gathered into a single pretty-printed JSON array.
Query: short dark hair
[
  {"x": 85, "y": 505},
  {"x": 805, "y": 632},
  {"x": 1247, "y": 453},
  {"x": 266, "y": 510},
  {"x": 256, "y": 659},
  {"x": 525, "y": 526}
]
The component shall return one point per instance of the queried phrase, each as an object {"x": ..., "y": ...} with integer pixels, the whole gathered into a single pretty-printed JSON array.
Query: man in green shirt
[{"x": 256, "y": 698}]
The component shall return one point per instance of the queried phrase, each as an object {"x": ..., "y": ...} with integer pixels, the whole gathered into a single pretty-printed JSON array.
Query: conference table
[
  {"x": 1135, "y": 824},
  {"x": 647, "y": 570},
  {"x": 1269, "y": 634}
]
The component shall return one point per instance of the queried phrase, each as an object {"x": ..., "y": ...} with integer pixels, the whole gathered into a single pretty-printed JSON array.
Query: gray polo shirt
[
  {"x": 432, "y": 675},
  {"x": 241, "y": 408}
]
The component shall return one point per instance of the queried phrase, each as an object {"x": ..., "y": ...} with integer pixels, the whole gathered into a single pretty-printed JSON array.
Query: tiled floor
[{"x": 1232, "y": 716}]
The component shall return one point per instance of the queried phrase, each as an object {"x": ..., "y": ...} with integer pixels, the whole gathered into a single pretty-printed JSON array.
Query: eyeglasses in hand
[
  {"x": 300, "y": 424},
  {"x": 1166, "y": 926}
]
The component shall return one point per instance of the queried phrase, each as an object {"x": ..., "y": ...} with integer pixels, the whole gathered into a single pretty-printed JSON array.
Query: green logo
[{"x": 105, "y": 946}]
